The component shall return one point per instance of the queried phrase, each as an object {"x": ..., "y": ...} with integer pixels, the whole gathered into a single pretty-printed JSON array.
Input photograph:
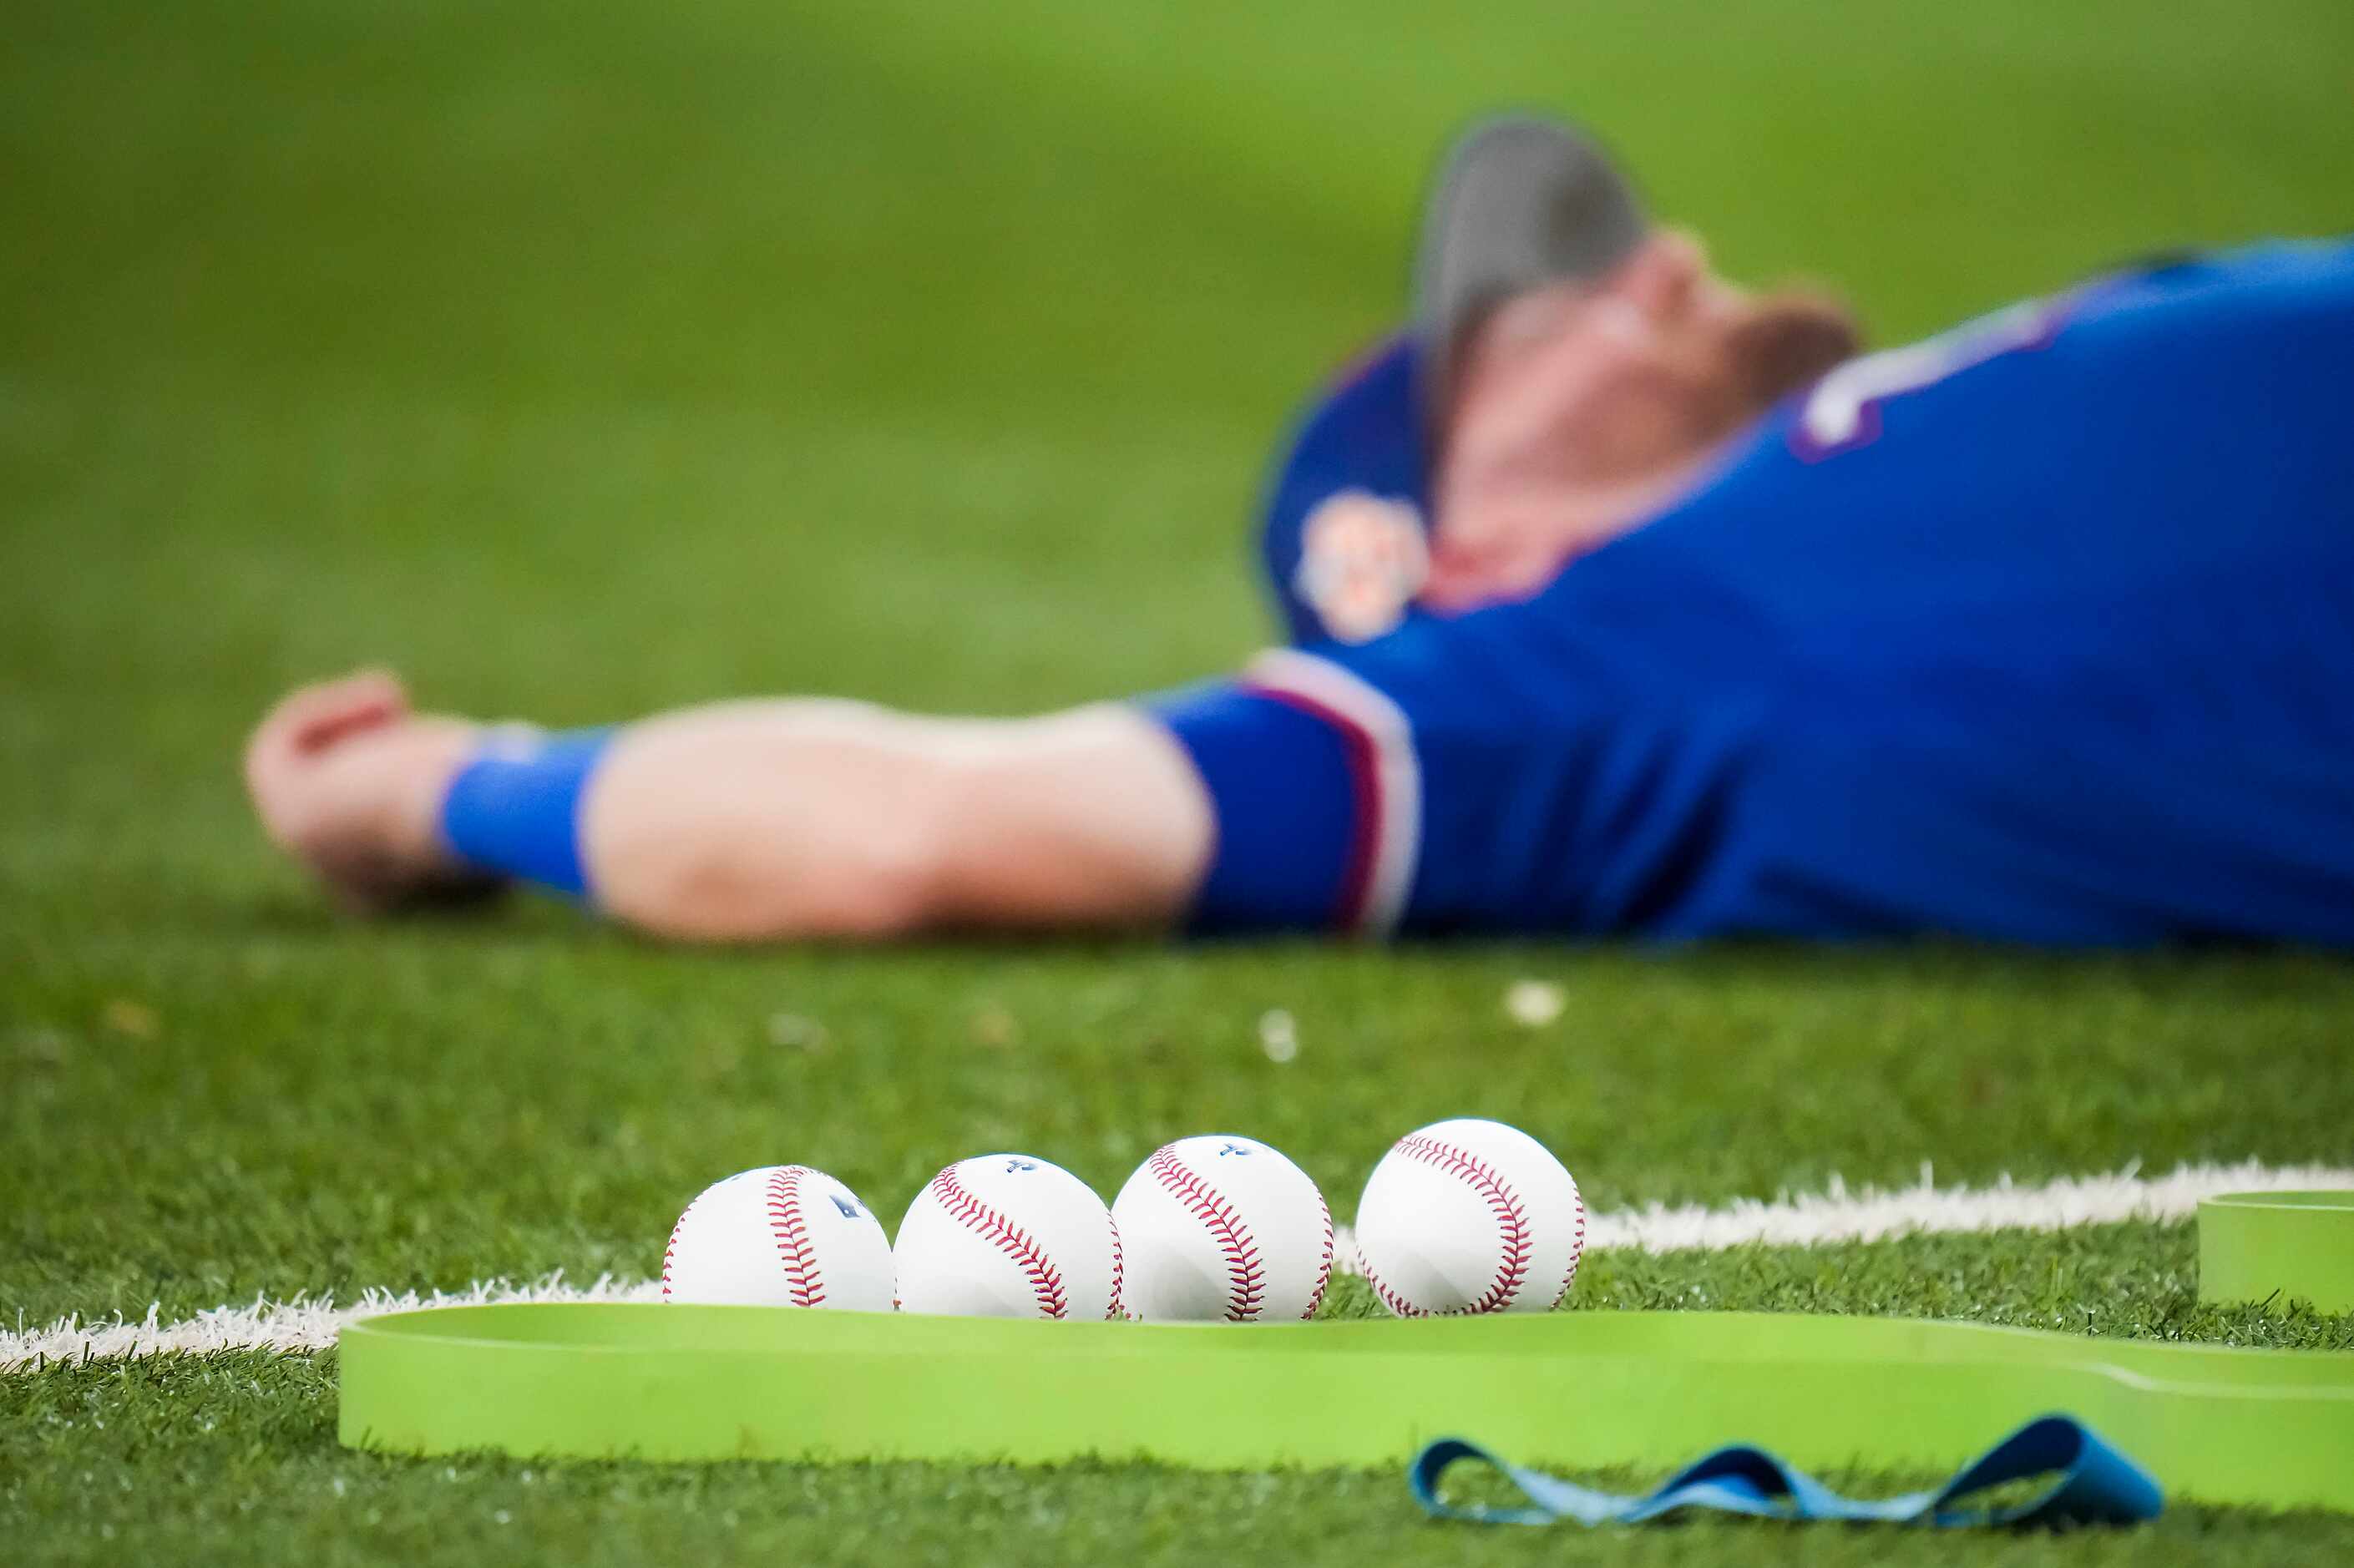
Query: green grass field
[{"x": 577, "y": 361}]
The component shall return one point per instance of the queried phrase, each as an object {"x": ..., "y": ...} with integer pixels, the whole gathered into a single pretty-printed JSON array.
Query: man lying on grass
[{"x": 1624, "y": 601}]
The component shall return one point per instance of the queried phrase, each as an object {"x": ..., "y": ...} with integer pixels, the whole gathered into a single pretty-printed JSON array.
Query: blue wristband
[{"x": 514, "y": 809}]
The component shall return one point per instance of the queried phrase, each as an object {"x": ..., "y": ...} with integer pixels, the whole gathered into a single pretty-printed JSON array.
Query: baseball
[
  {"x": 1469, "y": 1217},
  {"x": 1009, "y": 1236},
  {"x": 782, "y": 1235},
  {"x": 1219, "y": 1227}
]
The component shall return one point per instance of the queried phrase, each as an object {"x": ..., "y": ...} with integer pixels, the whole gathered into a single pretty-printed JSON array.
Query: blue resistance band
[
  {"x": 2093, "y": 1484},
  {"x": 514, "y": 809}
]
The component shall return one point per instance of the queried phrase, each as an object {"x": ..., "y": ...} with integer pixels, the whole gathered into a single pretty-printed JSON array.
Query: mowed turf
[{"x": 578, "y": 361}]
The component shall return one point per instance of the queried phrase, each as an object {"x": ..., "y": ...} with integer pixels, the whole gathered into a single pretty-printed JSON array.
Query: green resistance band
[
  {"x": 1572, "y": 1389},
  {"x": 2278, "y": 1248}
]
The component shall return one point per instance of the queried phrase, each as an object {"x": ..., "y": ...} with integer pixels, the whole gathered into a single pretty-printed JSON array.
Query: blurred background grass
[{"x": 582, "y": 358}]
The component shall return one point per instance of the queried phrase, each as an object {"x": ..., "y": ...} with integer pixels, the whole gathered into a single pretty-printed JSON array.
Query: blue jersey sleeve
[
  {"x": 1313, "y": 778},
  {"x": 1495, "y": 772}
]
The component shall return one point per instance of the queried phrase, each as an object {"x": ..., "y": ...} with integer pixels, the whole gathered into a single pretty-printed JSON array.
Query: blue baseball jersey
[{"x": 2039, "y": 630}]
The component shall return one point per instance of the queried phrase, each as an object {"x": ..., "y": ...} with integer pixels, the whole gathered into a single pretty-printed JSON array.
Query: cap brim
[{"x": 1519, "y": 203}]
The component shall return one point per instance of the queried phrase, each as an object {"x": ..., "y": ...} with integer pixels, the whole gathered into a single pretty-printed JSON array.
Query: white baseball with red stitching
[
  {"x": 1009, "y": 1236},
  {"x": 781, "y": 1235},
  {"x": 1469, "y": 1217},
  {"x": 1223, "y": 1229}
]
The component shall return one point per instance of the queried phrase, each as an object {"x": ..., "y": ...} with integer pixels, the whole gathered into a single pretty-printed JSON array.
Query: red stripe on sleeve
[{"x": 1365, "y": 800}]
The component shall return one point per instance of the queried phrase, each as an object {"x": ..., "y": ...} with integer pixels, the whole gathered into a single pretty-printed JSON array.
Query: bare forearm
[
  {"x": 744, "y": 822},
  {"x": 777, "y": 820}
]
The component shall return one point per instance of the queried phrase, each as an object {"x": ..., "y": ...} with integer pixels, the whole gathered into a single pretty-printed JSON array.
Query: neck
[{"x": 1507, "y": 538}]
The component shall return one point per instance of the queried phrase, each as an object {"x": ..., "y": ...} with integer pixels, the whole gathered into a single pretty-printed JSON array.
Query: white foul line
[
  {"x": 306, "y": 1323},
  {"x": 1924, "y": 1208},
  {"x": 301, "y": 1322}
]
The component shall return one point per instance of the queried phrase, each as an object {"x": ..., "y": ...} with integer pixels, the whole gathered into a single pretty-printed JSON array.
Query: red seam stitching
[
  {"x": 1117, "y": 1309},
  {"x": 1511, "y": 1220},
  {"x": 787, "y": 1223},
  {"x": 1391, "y": 1298},
  {"x": 1576, "y": 1251},
  {"x": 1245, "y": 1274},
  {"x": 1046, "y": 1280},
  {"x": 670, "y": 1248},
  {"x": 1325, "y": 1270}
]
